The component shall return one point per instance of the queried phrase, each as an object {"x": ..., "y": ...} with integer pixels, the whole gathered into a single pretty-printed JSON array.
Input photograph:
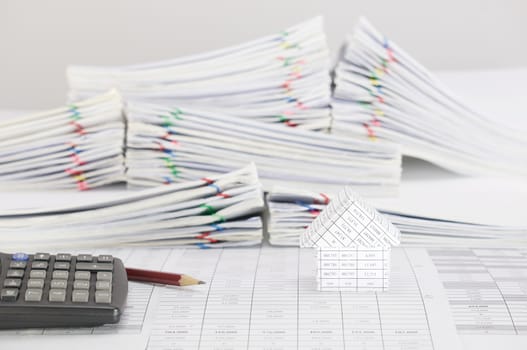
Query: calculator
[{"x": 43, "y": 290}]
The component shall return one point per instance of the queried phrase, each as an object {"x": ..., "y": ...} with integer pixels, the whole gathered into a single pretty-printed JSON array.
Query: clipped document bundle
[
  {"x": 167, "y": 145},
  {"x": 213, "y": 211},
  {"x": 382, "y": 93},
  {"x": 75, "y": 146},
  {"x": 280, "y": 78},
  {"x": 291, "y": 211}
]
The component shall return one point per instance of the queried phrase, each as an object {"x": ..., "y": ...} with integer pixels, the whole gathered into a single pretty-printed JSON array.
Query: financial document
[
  {"x": 487, "y": 292},
  {"x": 265, "y": 298}
]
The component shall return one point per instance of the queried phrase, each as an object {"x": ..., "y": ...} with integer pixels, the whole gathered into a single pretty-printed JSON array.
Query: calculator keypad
[
  {"x": 44, "y": 290},
  {"x": 12, "y": 282},
  {"x": 61, "y": 266},
  {"x": 81, "y": 284},
  {"x": 37, "y": 274},
  {"x": 9, "y": 294},
  {"x": 57, "y": 295},
  {"x": 35, "y": 283},
  {"x": 80, "y": 296},
  {"x": 17, "y": 264},
  {"x": 15, "y": 273},
  {"x": 39, "y": 265},
  {"x": 82, "y": 275},
  {"x": 104, "y": 276},
  {"x": 63, "y": 257},
  {"x": 90, "y": 277},
  {"x": 41, "y": 256},
  {"x": 33, "y": 294}
]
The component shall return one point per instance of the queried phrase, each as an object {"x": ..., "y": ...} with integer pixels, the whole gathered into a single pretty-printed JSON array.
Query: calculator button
[
  {"x": 8, "y": 294},
  {"x": 17, "y": 264},
  {"x": 37, "y": 274},
  {"x": 15, "y": 273},
  {"x": 35, "y": 283},
  {"x": 103, "y": 297},
  {"x": 82, "y": 275},
  {"x": 81, "y": 284},
  {"x": 60, "y": 275},
  {"x": 59, "y": 284},
  {"x": 39, "y": 265},
  {"x": 84, "y": 258},
  {"x": 12, "y": 282},
  {"x": 105, "y": 258},
  {"x": 57, "y": 295},
  {"x": 33, "y": 294},
  {"x": 80, "y": 296},
  {"x": 20, "y": 257},
  {"x": 61, "y": 266},
  {"x": 41, "y": 256},
  {"x": 103, "y": 285},
  {"x": 94, "y": 266},
  {"x": 63, "y": 257},
  {"x": 104, "y": 276}
]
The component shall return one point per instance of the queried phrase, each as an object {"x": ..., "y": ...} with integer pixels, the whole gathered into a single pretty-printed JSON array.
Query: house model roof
[{"x": 349, "y": 222}]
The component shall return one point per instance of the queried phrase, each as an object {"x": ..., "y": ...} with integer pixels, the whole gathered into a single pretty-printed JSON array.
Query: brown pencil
[{"x": 159, "y": 277}]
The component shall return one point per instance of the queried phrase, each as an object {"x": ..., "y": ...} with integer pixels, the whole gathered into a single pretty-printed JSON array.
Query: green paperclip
[
  {"x": 209, "y": 209},
  {"x": 170, "y": 165}
]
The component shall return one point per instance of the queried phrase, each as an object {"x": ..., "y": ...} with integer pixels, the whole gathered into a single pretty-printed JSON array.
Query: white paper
[
  {"x": 486, "y": 288},
  {"x": 269, "y": 301},
  {"x": 383, "y": 94},
  {"x": 353, "y": 244}
]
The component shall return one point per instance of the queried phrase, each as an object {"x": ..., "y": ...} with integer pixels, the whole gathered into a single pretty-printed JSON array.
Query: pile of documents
[
  {"x": 167, "y": 145},
  {"x": 280, "y": 78},
  {"x": 213, "y": 211},
  {"x": 291, "y": 211},
  {"x": 384, "y": 94},
  {"x": 75, "y": 146}
]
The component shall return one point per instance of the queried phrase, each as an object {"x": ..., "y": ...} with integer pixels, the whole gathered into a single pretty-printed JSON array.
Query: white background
[{"x": 39, "y": 38}]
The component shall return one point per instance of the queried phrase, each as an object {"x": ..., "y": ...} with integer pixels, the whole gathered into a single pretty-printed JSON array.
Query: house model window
[{"x": 353, "y": 243}]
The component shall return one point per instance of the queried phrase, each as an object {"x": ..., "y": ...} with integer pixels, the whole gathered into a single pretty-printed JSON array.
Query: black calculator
[{"x": 43, "y": 290}]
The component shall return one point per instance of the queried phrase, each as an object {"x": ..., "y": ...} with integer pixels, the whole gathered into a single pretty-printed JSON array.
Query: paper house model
[{"x": 353, "y": 243}]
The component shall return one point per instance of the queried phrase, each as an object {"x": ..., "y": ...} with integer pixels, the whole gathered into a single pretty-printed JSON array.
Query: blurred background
[{"x": 39, "y": 38}]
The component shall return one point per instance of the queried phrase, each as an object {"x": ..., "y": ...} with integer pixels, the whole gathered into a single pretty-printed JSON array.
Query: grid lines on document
[
  {"x": 139, "y": 294},
  {"x": 396, "y": 319},
  {"x": 348, "y": 228},
  {"x": 181, "y": 311},
  {"x": 353, "y": 269},
  {"x": 266, "y": 298},
  {"x": 486, "y": 288}
]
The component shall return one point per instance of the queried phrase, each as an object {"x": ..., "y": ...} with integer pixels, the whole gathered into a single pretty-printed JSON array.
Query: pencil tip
[{"x": 201, "y": 282}]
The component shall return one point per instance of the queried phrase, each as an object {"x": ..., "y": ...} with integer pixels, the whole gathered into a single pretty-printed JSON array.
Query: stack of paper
[
  {"x": 280, "y": 78},
  {"x": 214, "y": 211},
  {"x": 291, "y": 211},
  {"x": 75, "y": 146},
  {"x": 171, "y": 145},
  {"x": 383, "y": 94}
]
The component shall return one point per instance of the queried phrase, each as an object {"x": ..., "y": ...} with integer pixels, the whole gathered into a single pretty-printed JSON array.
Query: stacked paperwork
[
  {"x": 280, "y": 78},
  {"x": 291, "y": 211},
  {"x": 384, "y": 94},
  {"x": 75, "y": 146},
  {"x": 167, "y": 145},
  {"x": 214, "y": 211}
]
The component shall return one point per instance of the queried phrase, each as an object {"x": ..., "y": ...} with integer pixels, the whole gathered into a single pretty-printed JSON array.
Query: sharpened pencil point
[{"x": 201, "y": 282}]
